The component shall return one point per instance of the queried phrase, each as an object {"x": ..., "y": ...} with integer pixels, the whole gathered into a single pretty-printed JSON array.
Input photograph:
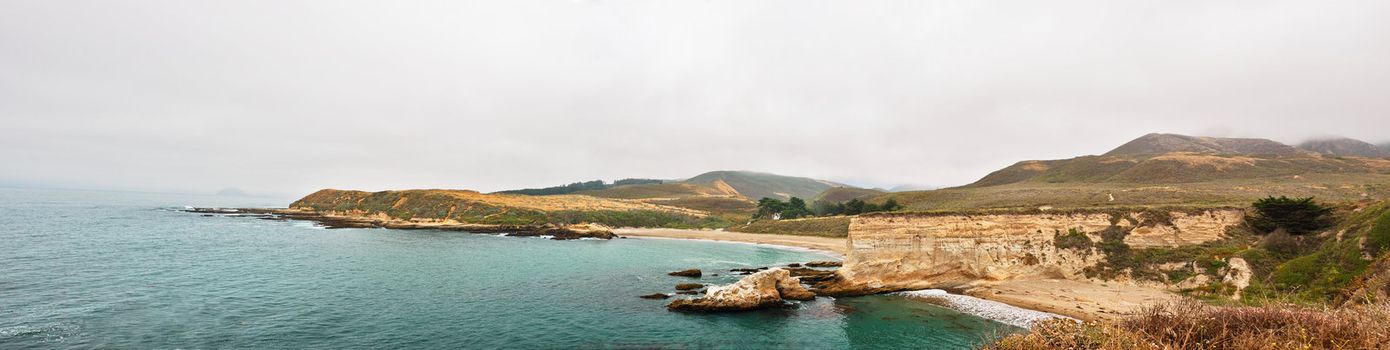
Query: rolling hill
[
  {"x": 755, "y": 185},
  {"x": 1169, "y": 143},
  {"x": 730, "y": 195},
  {"x": 1167, "y": 158},
  {"x": 1168, "y": 170},
  {"x": 1344, "y": 147}
]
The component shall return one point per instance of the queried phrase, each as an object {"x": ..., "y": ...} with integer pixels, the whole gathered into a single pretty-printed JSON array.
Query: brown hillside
[
  {"x": 1169, "y": 143},
  {"x": 1204, "y": 171},
  {"x": 755, "y": 185},
  {"x": 663, "y": 190},
  {"x": 1344, "y": 147}
]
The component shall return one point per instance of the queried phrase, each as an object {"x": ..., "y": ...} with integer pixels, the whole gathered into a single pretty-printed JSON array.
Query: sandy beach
[
  {"x": 826, "y": 244},
  {"x": 1083, "y": 300}
]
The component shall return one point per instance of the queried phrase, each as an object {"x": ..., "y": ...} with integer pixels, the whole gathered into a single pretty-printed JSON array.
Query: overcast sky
[{"x": 285, "y": 97}]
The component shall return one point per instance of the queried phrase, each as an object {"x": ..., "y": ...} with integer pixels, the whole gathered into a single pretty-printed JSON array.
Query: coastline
[
  {"x": 1082, "y": 300},
  {"x": 833, "y": 246}
]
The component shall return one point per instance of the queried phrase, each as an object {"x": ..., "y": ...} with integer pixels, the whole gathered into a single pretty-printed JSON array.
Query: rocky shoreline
[{"x": 556, "y": 232}]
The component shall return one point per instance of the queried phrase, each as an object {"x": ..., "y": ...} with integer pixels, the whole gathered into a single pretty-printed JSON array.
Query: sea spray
[{"x": 1001, "y": 312}]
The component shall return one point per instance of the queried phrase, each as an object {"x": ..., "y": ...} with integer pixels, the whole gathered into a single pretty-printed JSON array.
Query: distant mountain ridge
[
  {"x": 1171, "y": 158},
  {"x": 751, "y": 185},
  {"x": 1342, "y": 146},
  {"x": 1169, "y": 143},
  {"x": 756, "y": 185},
  {"x": 1170, "y": 170}
]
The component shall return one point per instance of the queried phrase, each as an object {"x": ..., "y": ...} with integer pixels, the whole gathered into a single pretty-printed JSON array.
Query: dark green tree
[
  {"x": 768, "y": 206},
  {"x": 795, "y": 208},
  {"x": 891, "y": 205},
  {"x": 1295, "y": 215},
  {"x": 826, "y": 208},
  {"x": 854, "y": 207}
]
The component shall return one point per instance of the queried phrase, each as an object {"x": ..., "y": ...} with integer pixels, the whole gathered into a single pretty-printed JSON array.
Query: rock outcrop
[
  {"x": 760, "y": 290},
  {"x": 1238, "y": 275},
  {"x": 689, "y": 286},
  {"x": 687, "y": 273},
  {"x": 909, "y": 251},
  {"x": 567, "y": 232}
]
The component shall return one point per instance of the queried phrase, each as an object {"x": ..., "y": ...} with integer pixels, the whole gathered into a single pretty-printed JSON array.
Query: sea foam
[{"x": 997, "y": 311}]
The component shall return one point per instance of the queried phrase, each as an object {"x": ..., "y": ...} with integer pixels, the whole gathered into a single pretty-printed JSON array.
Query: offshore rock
[
  {"x": 757, "y": 291},
  {"x": 687, "y": 273}
]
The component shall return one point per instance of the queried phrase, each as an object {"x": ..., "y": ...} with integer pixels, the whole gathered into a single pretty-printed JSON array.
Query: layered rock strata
[{"x": 907, "y": 251}]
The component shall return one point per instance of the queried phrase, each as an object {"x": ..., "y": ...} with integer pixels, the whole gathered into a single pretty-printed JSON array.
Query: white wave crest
[{"x": 989, "y": 309}]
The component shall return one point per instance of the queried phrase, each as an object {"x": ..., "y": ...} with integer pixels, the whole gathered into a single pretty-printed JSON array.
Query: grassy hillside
[
  {"x": 844, "y": 194},
  {"x": 1230, "y": 192},
  {"x": 1173, "y": 168},
  {"x": 504, "y": 209},
  {"x": 835, "y": 226},
  {"x": 663, "y": 190},
  {"x": 755, "y": 186},
  {"x": 1168, "y": 170}
]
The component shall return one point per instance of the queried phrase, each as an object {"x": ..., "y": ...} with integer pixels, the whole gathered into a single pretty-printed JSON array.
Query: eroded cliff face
[{"x": 916, "y": 251}]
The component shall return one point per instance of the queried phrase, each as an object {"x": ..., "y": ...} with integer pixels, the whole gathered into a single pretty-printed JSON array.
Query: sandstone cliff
[{"x": 903, "y": 251}]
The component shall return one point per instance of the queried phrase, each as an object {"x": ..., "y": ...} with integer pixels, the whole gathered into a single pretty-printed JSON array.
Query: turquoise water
[{"x": 85, "y": 269}]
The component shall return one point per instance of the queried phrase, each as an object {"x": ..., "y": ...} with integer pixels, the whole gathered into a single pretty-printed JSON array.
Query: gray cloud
[{"x": 291, "y": 96}]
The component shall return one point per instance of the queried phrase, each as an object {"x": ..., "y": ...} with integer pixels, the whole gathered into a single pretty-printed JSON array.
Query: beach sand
[
  {"x": 825, "y": 244},
  {"x": 1079, "y": 299}
]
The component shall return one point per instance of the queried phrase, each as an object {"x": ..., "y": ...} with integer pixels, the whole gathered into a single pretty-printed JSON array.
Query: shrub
[
  {"x": 1296, "y": 215},
  {"x": 1378, "y": 239},
  {"x": 1192, "y": 325},
  {"x": 1073, "y": 239}
]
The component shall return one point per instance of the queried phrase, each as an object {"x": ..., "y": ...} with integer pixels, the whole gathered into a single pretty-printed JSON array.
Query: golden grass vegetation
[
  {"x": 1193, "y": 325},
  {"x": 505, "y": 209},
  {"x": 1331, "y": 188},
  {"x": 834, "y": 226},
  {"x": 662, "y": 190},
  {"x": 1179, "y": 168}
]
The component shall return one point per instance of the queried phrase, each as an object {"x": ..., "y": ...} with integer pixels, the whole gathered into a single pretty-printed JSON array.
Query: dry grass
[
  {"x": 541, "y": 203},
  {"x": 1236, "y": 192},
  {"x": 834, "y": 226},
  {"x": 1192, "y": 325}
]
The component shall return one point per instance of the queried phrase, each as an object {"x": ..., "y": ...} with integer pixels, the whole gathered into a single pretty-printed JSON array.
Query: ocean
[{"x": 89, "y": 269}]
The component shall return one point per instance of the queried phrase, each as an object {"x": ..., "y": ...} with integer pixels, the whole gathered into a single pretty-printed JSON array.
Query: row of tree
[
  {"x": 854, "y": 207},
  {"x": 769, "y": 208}
]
